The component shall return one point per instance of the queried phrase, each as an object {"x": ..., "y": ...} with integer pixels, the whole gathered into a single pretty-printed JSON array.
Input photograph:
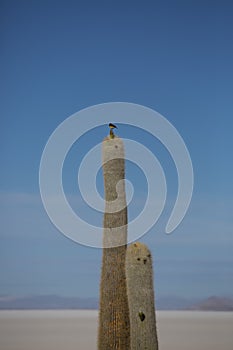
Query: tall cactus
[
  {"x": 139, "y": 275},
  {"x": 114, "y": 328}
]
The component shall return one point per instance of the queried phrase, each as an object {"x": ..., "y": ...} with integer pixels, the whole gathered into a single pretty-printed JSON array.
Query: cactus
[
  {"x": 143, "y": 333},
  {"x": 114, "y": 329}
]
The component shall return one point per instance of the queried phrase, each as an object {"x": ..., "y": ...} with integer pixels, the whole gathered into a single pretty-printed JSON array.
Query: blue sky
[{"x": 58, "y": 57}]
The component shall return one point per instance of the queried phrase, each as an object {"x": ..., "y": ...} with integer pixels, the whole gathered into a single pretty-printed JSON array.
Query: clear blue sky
[{"x": 58, "y": 57}]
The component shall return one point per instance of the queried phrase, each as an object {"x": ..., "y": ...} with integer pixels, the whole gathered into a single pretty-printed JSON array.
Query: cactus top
[
  {"x": 112, "y": 148},
  {"x": 113, "y": 168},
  {"x": 138, "y": 254},
  {"x": 115, "y": 217}
]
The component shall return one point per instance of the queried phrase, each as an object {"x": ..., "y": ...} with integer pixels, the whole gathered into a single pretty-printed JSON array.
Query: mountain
[
  {"x": 43, "y": 302},
  {"x": 47, "y": 302},
  {"x": 214, "y": 303}
]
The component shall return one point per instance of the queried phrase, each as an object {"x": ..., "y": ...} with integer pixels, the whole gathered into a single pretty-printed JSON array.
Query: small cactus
[
  {"x": 114, "y": 313},
  {"x": 139, "y": 277}
]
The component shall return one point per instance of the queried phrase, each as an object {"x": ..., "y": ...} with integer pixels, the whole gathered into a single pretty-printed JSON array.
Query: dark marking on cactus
[{"x": 141, "y": 316}]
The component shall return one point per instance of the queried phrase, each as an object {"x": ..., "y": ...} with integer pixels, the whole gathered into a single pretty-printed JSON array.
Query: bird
[{"x": 112, "y": 126}]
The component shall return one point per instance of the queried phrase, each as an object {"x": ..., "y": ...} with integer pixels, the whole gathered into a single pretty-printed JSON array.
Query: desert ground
[{"x": 77, "y": 330}]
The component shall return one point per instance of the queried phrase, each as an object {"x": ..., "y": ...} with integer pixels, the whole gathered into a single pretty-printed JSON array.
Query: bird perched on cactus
[{"x": 112, "y": 126}]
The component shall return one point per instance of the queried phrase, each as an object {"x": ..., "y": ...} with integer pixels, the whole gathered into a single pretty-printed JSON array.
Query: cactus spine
[
  {"x": 143, "y": 333},
  {"x": 114, "y": 329}
]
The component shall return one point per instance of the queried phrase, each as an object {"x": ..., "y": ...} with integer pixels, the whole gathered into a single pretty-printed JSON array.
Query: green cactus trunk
[
  {"x": 114, "y": 328},
  {"x": 139, "y": 274}
]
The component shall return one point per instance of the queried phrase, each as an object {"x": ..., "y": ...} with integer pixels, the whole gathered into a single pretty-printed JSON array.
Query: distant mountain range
[
  {"x": 214, "y": 303},
  {"x": 42, "y": 302},
  {"x": 53, "y": 302}
]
